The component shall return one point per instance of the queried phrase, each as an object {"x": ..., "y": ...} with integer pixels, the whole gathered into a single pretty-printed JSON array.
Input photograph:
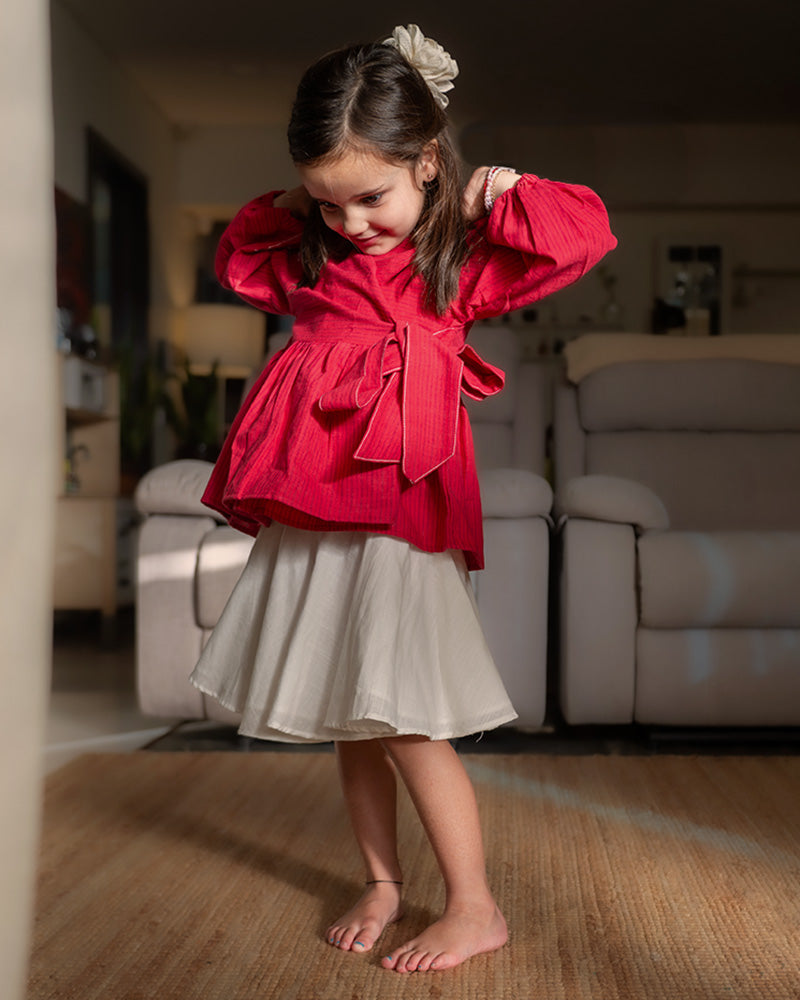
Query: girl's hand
[
  {"x": 473, "y": 195},
  {"x": 473, "y": 201},
  {"x": 298, "y": 201}
]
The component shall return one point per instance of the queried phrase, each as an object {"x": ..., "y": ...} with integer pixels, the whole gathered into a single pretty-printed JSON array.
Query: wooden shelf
[{"x": 86, "y": 509}]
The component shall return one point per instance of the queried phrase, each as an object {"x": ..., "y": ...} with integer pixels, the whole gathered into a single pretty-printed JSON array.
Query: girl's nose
[{"x": 353, "y": 223}]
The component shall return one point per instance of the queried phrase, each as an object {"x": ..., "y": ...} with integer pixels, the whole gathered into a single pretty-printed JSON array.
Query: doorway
[{"x": 120, "y": 251}]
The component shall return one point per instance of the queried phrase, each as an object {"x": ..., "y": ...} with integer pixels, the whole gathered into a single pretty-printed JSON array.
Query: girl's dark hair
[{"x": 369, "y": 97}]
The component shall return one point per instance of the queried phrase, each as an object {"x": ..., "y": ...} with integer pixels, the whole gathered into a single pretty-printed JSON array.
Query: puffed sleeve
[
  {"x": 257, "y": 255},
  {"x": 539, "y": 237}
]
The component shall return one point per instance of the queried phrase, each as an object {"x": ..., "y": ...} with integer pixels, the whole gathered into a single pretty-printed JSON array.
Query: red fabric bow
[{"x": 413, "y": 382}]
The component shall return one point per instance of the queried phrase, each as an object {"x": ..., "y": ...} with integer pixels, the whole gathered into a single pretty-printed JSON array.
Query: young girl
[{"x": 352, "y": 462}]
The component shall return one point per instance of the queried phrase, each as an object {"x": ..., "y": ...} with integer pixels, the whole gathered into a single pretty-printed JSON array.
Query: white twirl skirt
[{"x": 348, "y": 636}]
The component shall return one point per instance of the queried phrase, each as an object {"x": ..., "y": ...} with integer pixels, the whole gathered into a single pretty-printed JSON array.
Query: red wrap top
[{"x": 357, "y": 424}]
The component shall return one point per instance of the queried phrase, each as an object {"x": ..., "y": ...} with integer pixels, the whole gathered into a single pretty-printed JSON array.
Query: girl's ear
[{"x": 428, "y": 163}]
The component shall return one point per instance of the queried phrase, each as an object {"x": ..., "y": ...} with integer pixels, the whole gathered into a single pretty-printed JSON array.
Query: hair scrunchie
[{"x": 437, "y": 67}]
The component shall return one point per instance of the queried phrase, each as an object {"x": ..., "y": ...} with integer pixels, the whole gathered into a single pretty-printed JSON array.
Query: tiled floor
[{"x": 93, "y": 697}]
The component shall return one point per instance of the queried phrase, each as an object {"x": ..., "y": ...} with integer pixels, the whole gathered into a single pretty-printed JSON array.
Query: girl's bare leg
[
  {"x": 370, "y": 791},
  {"x": 444, "y": 798}
]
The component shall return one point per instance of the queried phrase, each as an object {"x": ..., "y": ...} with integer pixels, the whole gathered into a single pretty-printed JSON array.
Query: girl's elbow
[
  {"x": 599, "y": 223},
  {"x": 601, "y": 240},
  {"x": 606, "y": 243},
  {"x": 596, "y": 249}
]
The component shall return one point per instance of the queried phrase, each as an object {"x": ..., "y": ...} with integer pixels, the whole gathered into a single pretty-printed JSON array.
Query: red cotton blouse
[{"x": 358, "y": 424}]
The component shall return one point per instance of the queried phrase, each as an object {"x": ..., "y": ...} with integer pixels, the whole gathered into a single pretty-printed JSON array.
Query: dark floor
[
  {"x": 111, "y": 666},
  {"x": 554, "y": 739}
]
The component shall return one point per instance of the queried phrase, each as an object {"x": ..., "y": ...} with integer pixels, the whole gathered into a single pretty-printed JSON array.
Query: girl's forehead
[{"x": 350, "y": 175}]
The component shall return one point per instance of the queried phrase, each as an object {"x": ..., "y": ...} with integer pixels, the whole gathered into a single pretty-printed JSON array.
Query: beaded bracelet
[{"x": 488, "y": 186}]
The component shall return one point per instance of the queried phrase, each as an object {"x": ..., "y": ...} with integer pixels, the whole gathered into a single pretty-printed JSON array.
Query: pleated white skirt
[{"x": 349, "y": 635}]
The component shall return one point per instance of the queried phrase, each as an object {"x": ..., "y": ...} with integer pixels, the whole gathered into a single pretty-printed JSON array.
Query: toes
[
  {"x": 413, "y": 959},
  {"x": 416, "y": 961},
  {"x": 407, "y": 960},
  {"x": 426, "y": 963},
  {"x": 338, "y": 936},
  {"x": 333, "y": 933},
  {"x": 361, "y": 942},
  {"x": 349, "y": 939}
]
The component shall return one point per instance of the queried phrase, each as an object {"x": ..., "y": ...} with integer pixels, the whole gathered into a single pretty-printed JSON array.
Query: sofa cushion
[
  {"x": 610, "y": 498},
  {"x": 720, "y": 579},
  {"x": 706, "y": 395},
  {"x": 221, "y": 558},
  {"x": 717, "y": 677},
  {"x": 175, "y": 488},
  {"x": 592, "y": 351},
  {"x": 725, "y": 481},
  {"x": 514, "y": 493},
  {"x": 494, "y": 445},
  {"x": 500, "y": 346}
]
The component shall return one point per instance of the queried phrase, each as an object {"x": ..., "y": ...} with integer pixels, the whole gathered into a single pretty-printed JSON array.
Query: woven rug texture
[{"x": 213, "y": 877}]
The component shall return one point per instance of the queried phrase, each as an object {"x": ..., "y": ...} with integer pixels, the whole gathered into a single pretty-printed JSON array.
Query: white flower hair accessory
[{"x": 437, "y": 67}]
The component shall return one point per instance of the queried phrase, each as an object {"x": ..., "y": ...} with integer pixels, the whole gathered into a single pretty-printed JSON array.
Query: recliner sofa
[{"x": 677, "y": 465}]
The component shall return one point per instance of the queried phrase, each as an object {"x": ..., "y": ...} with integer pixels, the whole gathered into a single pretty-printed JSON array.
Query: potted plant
[
  {"x": 142, "y": 396},
  {"x": 194, "y": 415}
]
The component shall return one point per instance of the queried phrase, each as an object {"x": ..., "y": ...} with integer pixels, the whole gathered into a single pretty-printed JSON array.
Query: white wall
[
  {"x": 766, "y": 243},
  {"x": 732, "y": 184},
  {"x": 735, "y": 184},
  {"x": 89, "y": 90},
  {"x": 691, "y": 166},
  {"x": 221, "y": 168},
  {"x": 27, "y": 502}
]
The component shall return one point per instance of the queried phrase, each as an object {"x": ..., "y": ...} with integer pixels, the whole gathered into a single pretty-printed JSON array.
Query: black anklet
[{"x": 388, "y": 881}]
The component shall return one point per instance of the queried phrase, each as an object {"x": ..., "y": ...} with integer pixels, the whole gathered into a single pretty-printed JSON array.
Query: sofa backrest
[
  {"x": 509, "y": 428},
  {"x": 717, "y": 439}
]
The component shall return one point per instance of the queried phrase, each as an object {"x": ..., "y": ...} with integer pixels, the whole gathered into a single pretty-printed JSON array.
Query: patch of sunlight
[
  {"x": 156, "y": 567},
  {"x": 644, "y": 819}
]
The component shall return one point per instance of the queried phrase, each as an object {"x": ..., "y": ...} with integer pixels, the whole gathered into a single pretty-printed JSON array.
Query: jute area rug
[{"x": 213, "y": 876}]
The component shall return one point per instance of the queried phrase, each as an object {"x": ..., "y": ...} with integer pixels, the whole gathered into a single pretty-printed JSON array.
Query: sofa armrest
[
  {"x": 612, "y": 499},
  {"x": 569, "y": 438},
  {"x": 598, "y": 614},
  {"x": 513, "y": 493},
  {"x": 168, "y": 637},
  {"x": 512, "y": 594},
  {"x": 532, "y": 406},
  {"x": 175, "y": 488}
]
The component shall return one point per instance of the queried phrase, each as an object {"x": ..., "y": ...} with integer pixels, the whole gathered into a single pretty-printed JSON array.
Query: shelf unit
[{"x": 87, "y": 506}]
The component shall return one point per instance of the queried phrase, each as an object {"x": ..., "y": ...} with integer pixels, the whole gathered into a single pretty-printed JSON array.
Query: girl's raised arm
[
  {"x": 537, "y": 238},
  {"x": 254, "y": 257}
]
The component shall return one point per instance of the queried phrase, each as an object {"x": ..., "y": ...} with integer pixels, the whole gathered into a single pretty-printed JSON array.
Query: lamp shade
[{"x": 233, "y": 336}]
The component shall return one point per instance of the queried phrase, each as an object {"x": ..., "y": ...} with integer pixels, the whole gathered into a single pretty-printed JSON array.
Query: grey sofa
[
  {"x": 189, "y": 561},
  {"x": 677, "y": 468}
]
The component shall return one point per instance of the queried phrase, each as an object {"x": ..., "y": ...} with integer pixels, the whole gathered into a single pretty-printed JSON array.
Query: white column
[{"x": 28, "y": 460}]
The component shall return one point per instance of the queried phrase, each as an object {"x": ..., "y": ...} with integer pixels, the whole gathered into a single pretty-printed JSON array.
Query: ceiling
[{"x": 545, "y": 62}]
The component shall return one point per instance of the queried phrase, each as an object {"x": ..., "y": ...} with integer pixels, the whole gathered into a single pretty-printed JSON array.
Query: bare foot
[
  {"x": 460, "y": 933},
  {"x": 361, "y": 926}
]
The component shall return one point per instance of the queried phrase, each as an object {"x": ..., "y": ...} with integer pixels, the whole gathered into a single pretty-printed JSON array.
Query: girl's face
[{"x": 372, "y": 202}]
